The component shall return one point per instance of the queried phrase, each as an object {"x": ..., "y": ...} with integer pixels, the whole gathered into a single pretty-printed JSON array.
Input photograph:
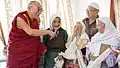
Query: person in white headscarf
[
  {"x": 54, "y": 44},
  {"x": 107, "y": 34}
]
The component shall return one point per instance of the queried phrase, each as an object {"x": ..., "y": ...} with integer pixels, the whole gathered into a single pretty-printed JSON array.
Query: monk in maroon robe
[{"x": 24, "y": 46}]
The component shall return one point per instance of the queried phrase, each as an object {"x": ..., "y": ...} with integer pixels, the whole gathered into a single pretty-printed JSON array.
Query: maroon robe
[{"x": 24, "y": 50}]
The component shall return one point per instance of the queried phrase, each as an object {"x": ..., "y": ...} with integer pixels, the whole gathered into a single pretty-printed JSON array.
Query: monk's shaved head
[
  {"x": 34, "y": 9},
  {"x": 33, "y": 3}
]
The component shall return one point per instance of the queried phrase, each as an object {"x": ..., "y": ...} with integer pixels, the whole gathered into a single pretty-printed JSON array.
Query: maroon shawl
[{"x": 24, "y": 50}]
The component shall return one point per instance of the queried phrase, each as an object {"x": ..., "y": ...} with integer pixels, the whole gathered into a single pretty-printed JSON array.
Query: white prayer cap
[{"x": 94, "y": 5}]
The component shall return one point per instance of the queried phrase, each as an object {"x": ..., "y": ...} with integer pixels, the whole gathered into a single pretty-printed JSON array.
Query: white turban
[{"x": 94, "y": 5}]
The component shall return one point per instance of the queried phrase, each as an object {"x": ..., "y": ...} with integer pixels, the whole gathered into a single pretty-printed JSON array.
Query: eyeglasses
[{"x": 40, "y": 9}]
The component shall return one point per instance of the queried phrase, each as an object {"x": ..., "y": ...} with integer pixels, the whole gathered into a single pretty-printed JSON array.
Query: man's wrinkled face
[
  {"x": 100, "y": 26},
  {"x": 36, "y": 10},
  {"x": 92, "y": 12}
]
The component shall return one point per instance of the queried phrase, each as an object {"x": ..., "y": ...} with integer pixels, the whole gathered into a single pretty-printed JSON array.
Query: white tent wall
[{"x": 79, "y": 7}]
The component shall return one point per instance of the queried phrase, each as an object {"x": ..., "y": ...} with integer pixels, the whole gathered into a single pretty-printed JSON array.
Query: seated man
[{"x": 106, "y": 35}]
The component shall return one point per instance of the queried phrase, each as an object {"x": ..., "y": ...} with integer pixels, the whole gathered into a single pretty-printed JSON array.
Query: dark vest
[
  {"x": 91, "y": 29},
  {"x": 58, "y": 41}
]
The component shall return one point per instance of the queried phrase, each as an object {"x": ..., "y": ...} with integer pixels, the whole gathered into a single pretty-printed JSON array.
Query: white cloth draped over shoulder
[
  {"x": 70, "y": 53},
  {"x": 73, "y": 51},
  {"x": 109, "y": 37}
]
